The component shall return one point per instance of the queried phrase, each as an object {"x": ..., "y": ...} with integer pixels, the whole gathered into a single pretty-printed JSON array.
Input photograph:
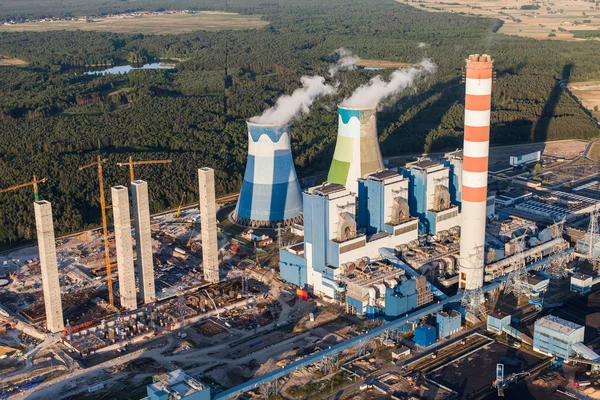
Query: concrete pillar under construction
[
  {"x": 124, "y": 244},
  {"x": 48, "y": 265},
  {"x": 479, "y": 78},
  {"x": 208, "y": 219},
  {"x": 143, "y": 240}
]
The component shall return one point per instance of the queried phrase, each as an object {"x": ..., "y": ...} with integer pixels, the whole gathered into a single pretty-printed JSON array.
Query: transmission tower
[
  {"x": 556, "y": 268},
  {"x": 592, "y": 238},
  {"x": 517, "y": 282},
  {"x": 473, "y": 300}
]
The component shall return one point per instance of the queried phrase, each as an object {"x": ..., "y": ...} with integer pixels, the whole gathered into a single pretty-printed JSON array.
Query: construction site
[{"x": 433, "y": 280}]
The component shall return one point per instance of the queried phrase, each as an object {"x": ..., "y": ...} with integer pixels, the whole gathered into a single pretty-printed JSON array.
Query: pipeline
[{"x": 506, "y": 265}]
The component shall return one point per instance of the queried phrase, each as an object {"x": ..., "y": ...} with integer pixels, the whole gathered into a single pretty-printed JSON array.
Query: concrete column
[
  {"x": 48, "y": 265},
  {"x": 120, "y": 205},
  {"x": 143, "y": 240},
  {"x": 208, "y": 219}
]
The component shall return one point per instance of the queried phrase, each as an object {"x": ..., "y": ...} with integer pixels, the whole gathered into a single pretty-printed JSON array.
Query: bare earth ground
[
  {"x": 588, "y": 93},
  {"x": 595, "y": 152},
  {"x": 534, "y": 23},
  {"x": 381, "y": 64},
  {"x": 11, "y": 62},
  {"x": 149, "y": 23}
]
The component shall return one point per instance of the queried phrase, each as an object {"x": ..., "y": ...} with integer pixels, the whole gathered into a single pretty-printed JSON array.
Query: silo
[
  {"x": 270, "y": 192},
  {"x": 357, "y": 151}
]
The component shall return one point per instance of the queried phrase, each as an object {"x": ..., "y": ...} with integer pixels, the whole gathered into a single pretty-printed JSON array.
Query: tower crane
[
  {"x": 131, "y": 163},
  {"x": 103, "y": 208},
  {"x": 33, "y": 183},
  {"x": 178, "y": 213}
]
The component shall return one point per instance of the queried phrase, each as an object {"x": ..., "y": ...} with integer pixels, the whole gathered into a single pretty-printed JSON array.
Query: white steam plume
[
  {"x": 291, "y": 106},
  {"x": 422, "y": 45},
  {"x": 346, "y": 61},
  {"x": 371, "y": 94}
]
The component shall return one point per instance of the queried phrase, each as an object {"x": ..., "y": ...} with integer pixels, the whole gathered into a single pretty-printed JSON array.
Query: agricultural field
[
  {"x": 148, "y": 23},
  {"x": 556, "y": 20},
  {"x": 589, "y": 95},
  {"x": 381, "y": 64},
  {"x": 12, "y": 62}
]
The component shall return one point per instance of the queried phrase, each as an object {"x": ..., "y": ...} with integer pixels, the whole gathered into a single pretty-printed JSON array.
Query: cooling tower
[
  {"x": 478, "y": 99},
  {"x": 270, "y": 192},
  {"x": 357, "y": 152}
]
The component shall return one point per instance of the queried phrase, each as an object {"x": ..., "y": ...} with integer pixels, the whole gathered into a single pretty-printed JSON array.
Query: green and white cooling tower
[{"x": 357, "y": 151}]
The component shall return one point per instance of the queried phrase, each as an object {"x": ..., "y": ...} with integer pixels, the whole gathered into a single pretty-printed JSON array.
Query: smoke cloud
[
  {"x": 422, "y": 45},
  {"x": 346, "y": 61},
  {"x": 292, "y": 106},
  {"x": 371, "y": 94}
]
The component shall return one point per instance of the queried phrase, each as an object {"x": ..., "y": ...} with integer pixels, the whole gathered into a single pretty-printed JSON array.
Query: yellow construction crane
[
  {"x": 32, "y": 183},
  {"x": 103, "y": 208},
  {"x": 178, "y": 213},
  {"x": 131, "y": 163}
]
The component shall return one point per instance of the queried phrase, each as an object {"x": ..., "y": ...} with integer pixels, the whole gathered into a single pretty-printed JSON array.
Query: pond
[{"x": 123, "y": 69}]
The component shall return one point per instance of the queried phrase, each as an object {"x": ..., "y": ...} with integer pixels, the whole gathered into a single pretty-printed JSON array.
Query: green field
[{"x": 147, "y": 23}]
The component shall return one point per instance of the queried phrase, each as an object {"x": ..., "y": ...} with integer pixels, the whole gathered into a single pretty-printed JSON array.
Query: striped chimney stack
[{"x": 478, "y": 78}]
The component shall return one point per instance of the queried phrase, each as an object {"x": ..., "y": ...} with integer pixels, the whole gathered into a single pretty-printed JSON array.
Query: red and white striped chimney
[{"x": 478, "y": 101}]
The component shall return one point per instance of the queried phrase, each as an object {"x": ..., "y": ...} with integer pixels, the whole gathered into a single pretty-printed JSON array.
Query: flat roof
[
  {"x": 498, "y": 314},
  {"x": 383, "y": 175},
  {"x": 328, "y": 188},
  {"x": 557, "y": 324},
  {"x": 581, "y": 276},
  {"x": 425, "y": 164}
]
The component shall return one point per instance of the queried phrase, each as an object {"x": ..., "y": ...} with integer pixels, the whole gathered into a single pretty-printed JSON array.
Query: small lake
[{"x": 123, "y": 69}]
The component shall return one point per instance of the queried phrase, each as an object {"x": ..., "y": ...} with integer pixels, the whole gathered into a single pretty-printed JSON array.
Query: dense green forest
[{"x": 54, "y": 118}]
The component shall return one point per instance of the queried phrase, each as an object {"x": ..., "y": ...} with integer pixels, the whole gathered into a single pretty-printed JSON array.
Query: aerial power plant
[{"x": 281, "y": 287}]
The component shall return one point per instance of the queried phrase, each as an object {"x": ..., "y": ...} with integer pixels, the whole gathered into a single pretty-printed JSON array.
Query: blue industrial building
[
  {"x": 555, "y": 336},
  {"x": 382, "y": 202},
  {"x": 581, "y": 283},
  {"x": 454, "y": 161},
  {"x": 292, "y": 265},
  {"x": 448, "y": 323},
  {"x": 401, "y": 299},
  {"x": 425, "y": 335},
  {"x": 497, "y": 321},
  {"x": 429, "y": 197}
]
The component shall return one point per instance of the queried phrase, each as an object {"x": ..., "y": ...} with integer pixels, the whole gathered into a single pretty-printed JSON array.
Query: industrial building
[
  {"x": 526, "y": 158},
  {"x": 357, "y": 153},
  {"x": 143, "y": 240},
  {"x": 556, "y": 337},
  {"x": 448, "y": 323},
  {"x": 581, "y": 283},
  {"x": 556, "y": 206},
  {"x": 334, "y": 243},
  {"x": 124, "y": 245},
  {"x": 497, "y": 322},
  {"x": 208, "y": 218},
  {"x": 429, "y": 196},
  {"x": 48, "y": 265},
  {"x": 425, "y": 335},
  {"x": 270, "y": 192},
  {"x": 176, "y": 385}
]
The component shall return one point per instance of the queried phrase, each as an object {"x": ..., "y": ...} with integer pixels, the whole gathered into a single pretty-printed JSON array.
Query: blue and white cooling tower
[{"x": 271, "y": 192}]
